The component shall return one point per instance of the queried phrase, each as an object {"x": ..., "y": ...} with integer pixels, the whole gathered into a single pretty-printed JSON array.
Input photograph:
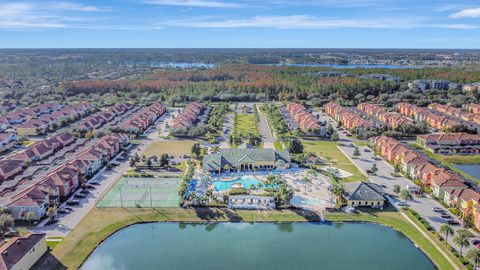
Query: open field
[
  {"x": 450, "y": 160},
  {"x": 245, "y": 124},
  {"x": 393, "y": 219},
  {"x": 175, "y": 148},
  {"x": 99, "y": 224},
  {"x": 335, "y": 158}
]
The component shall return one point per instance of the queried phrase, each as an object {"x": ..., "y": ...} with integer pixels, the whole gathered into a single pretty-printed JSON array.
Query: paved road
[
  {"x": 264, "y": 128},
  {"x": 226, "y": 131},
  {"x": 423, "y": 205}
]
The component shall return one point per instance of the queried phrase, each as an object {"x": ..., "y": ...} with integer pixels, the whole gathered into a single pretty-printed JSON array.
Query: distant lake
[
  {"x": 260, "y": 246},
  {"x": 172, "y": 64},
  {"x": 471, "y": 169},
  {"x": 349, "y": 65}
]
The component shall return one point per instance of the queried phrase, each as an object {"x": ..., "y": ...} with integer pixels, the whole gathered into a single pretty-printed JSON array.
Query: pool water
[{"x": 246, "y": 180}]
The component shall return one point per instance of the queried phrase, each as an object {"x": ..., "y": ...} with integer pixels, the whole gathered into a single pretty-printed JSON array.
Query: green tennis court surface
[{"x": 142, "y": 192}]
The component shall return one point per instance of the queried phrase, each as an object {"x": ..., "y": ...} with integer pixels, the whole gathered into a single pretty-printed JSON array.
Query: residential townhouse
[
  {"x": 188, "y": 116},
  {"x": 451, "y": 143},
  {"x": 15, "y": 164},
  {"x": 99, "y": 119},
  {"x": 141, "y": 120},
  {"x": 7, "y": 141},
  {"x": 34, "y": 200},
  {"x": 469, "y": 119},
  {"x": 305, "y": 120},
  {"x": 473, "y": 108},
  {"x": 39, "y": 124},
  {"x": 392, "y": 119},
  {"x": 471, "y": 87},
  {"x": 65, "y": 179},
  {"x": 348, "y": 118},
  {"x": 21, "y": 253},
  {"x": 432, "y": 118},
  {"x": 447, "y": 186}
]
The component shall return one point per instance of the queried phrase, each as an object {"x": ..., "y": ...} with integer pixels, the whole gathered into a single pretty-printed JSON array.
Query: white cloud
[
  {"x": 466, "y": 13},
  {"x": 193, "y": 3},
  {"x": 311, "y": 22},
  {"x": 42, "y": 15}
]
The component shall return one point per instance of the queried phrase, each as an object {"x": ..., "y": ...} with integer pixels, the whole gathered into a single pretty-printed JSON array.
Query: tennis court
[{"x": 142, "y": 192}]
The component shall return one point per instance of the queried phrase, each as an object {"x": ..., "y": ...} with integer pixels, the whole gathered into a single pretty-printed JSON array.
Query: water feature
[
  {"x": 350, "y": 66},
  {"x": 337, "y": 246},
  {"x": 470, "y": 169},
  {"x": 245, "y": 180}
]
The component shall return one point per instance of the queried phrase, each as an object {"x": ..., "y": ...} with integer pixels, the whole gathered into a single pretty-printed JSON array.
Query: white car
[{"x": 401, "y": 204}]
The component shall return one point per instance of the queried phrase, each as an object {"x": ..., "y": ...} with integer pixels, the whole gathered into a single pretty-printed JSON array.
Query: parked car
[
  {"x": 73, "y": 202},
  {"x": 84, "y": 191},
  {"x": 401, "y": 204},
  {"x": 63, "y": 211},
  {"x": 445, "y": 215},
  {"x": 367, "y": 150},
  {"x": 94, "y": 183},
  {"x": 452, "y": 222},
  {"x": 79, "y": 196},
  {"x": 68, "y": 208},
  {"x": 89, "y": 186},
  {"x": 437, "y": 209}
]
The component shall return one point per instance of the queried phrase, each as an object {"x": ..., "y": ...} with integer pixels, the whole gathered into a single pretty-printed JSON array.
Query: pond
[
  {"x": 336, "y": 246},
  {"x": 351, "y": 66},
  {"x": 471, "y": 169}
]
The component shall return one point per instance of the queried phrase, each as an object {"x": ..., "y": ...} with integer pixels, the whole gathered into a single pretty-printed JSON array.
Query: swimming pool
[{"x": 245, "y": 180}]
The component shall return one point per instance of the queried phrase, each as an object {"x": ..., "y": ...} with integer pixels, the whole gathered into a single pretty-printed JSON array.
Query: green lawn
[
  {"x": 393, "y": 219},
  {"x": 278, "y": 145},
  {"x": 329, "y": 151},
  {"x": 450, "y": 160},
  {"x": 175, "y": 148},
  {"x": 245, "y": 124}
]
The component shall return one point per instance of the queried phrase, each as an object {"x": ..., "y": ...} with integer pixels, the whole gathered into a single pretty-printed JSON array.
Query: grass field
[
  {"x": 142, "y": 192},
  {"x": 175, "y": 148},
  {"x": 245, "y": 124},
  {"x": 450, "y": 161},
  {"x": 393, "y": 219},
  {"x": 335, "y": 158},
  {"x": 99, "y": 224}
]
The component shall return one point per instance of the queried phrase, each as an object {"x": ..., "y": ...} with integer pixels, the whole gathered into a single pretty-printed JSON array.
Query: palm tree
[
  {"x": 338, "y": 191},
  {"x": 446, "y": 230},
  {"x": 52, "y": 211},
  {"x": 306, "y": 180},
  {"x": 461, "y": 240},
  {"x": 473, "y": 256},
  {"x": 406, "y": 195}
]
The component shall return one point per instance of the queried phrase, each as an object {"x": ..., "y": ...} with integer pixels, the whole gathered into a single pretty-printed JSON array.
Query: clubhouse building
[{"x": 246, "y": 159}]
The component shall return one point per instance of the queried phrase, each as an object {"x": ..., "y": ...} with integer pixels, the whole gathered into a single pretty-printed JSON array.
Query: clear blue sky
[{"x": 240, "y": 24}]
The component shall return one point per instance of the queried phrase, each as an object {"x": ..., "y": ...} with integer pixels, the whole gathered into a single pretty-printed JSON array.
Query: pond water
[
  {"x": 471, "y": 169},
  {"x": 337, "y": 246},
  {"x": 350, "y": 66}
]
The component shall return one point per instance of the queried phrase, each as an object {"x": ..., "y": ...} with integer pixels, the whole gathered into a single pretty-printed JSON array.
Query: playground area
[{"x": 142, "y": 192}]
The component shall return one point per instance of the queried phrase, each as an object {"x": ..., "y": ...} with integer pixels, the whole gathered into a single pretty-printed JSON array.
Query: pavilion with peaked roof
[
  {"x": 364, "y": 194},
  {"x": 246, "y": 159}
]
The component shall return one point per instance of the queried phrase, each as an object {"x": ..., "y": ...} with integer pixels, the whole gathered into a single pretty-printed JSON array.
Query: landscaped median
[{"x": 395, "y": 220}]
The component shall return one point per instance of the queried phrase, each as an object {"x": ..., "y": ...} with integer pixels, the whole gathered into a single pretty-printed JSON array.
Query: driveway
[{"x": 264, "y": 128}]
